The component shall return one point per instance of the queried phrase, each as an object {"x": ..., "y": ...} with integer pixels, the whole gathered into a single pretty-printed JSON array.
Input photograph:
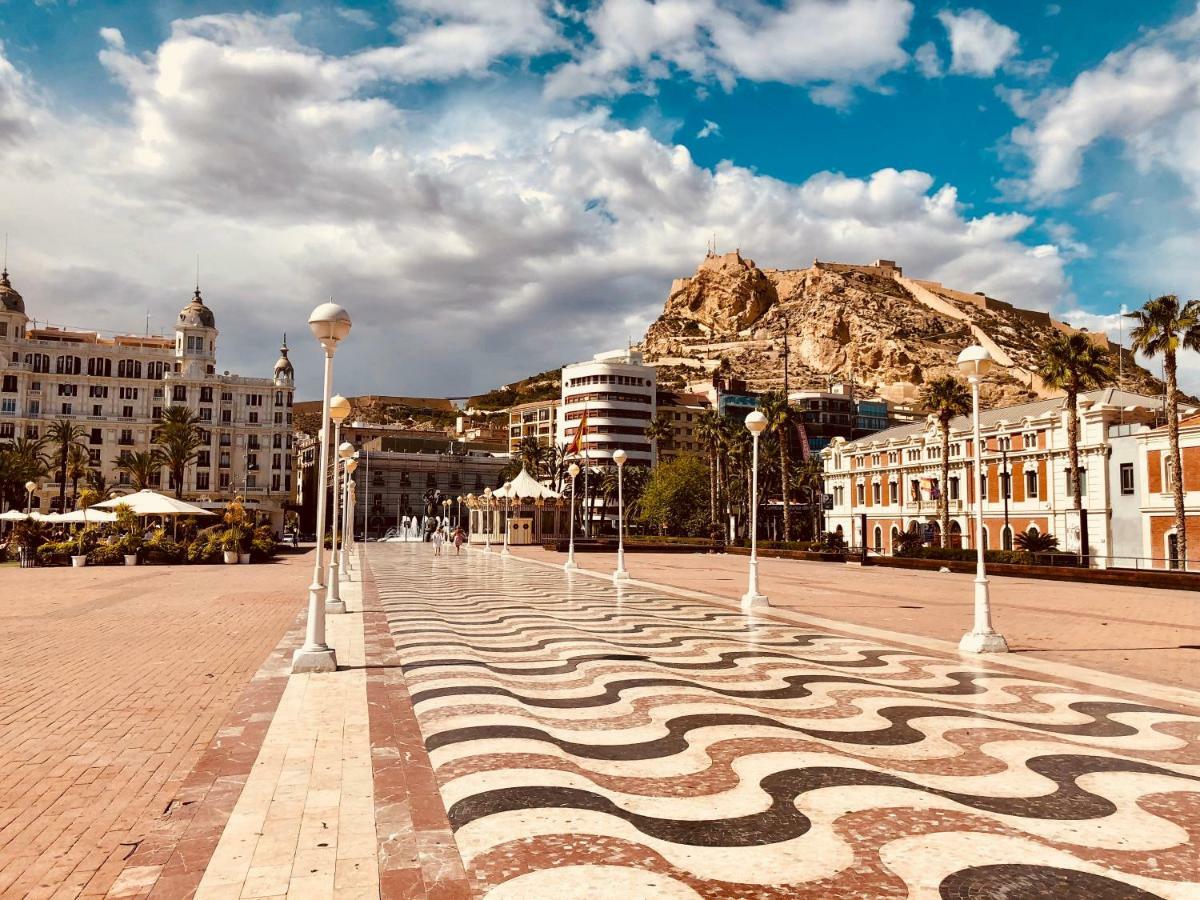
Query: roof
[
  {"x": 10, "y": 300},
  {"x": 526, "y": 487},
  {"x": 1104, "y": 397},
  {"x": 196, "y": 314}
]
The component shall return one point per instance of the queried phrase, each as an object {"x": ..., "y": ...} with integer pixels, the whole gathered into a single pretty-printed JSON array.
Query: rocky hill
[{"x": 868, "y": 323}]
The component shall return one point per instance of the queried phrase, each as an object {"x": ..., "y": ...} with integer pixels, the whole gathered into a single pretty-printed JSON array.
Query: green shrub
[
  {"x": 54, "y": 553},
  {"x": 207, "y": 546},
  {"x": 106, "y": 555},
  {"x": 262, "y": 544},
  {"x": 161, "y": 550}
]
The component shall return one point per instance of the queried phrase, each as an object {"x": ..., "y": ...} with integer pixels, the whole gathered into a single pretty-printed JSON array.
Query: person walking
[
  {"x": 437, "y": 540},
  {"x": 459, "y": 537}
]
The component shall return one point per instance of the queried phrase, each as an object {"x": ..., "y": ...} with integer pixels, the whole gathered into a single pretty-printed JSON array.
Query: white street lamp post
[
  {"x": 458, "y": 512},
  {"x": 507, "y": 514},
  {"x": 333, "y": 595},
  {"x": 347, "y": 517},
  {"x": 30, "y": 487},
  {"x": 330, "y": 324},
  {"x": 569, "y": 565},
  {"x": 620, "y": 574},
  {"x": 446, "y": 517},
  {"x": 756, "y": 424},
  {"x": 974, "y": 362},
  {"x": 487, "y": 530}
]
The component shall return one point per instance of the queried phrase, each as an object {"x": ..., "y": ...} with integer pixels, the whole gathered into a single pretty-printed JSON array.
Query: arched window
[
  {"x": 1006, "y": 538},
  {"x": 895, "y": 539},
  {"x": 878, "y": 538},
  {"x": 985, "y": 537}
]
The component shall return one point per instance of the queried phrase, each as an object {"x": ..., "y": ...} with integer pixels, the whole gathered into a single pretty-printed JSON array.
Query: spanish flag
[{"x": 577, "y": 442}]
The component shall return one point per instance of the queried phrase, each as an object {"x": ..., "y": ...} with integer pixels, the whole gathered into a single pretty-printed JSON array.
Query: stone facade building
[{"x": 115, "y": 389}]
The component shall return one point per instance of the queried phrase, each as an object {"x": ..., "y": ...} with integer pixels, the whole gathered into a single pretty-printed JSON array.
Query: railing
[{"x": 1151, "y": 563}]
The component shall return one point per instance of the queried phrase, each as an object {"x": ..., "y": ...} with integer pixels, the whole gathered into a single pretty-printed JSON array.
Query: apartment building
[
  {"x": 616, "y": 392},
  {"x": 116, "y": 388},
  {"x": 536, "y": 420},
  {"x": 683, "y": 412},
  {"x": 893, "y": 477}
]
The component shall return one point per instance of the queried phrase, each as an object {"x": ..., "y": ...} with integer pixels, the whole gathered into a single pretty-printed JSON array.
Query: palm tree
[
  {"x": 98, "y": 484},
  {"x": 945, "y": 397},
  {"x": 179, "y": 442},
  {"x": 1164, "y": 325},
  {"x": 709, "y": 430},
  {"x": 780, "y": 416},
  {"x": 659, "y": 432},
  {"x": 78, "y": 465},
  {"x": 20, "y": 461},
  {"x": 142, "y": 466},
  {"x": 1036, "y": 542},
  {"x": 63, "y": 434},
  {"x": 532, "y": 455},
  {"x": 810, "y": 478},
  {"x": 1072, "y": 363}
]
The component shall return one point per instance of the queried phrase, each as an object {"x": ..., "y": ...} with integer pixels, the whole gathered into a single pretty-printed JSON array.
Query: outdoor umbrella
[
  {"x": 13, "y": 515},
  {"x": 152, "y": 503},
  {"x": 89, "y": 515}
]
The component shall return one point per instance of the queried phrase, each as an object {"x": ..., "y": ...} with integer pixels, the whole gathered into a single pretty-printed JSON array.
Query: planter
[
  {"x": 244, "y": 559},
  {"x": 231, "y": 557},
  {"x": 79, "y": 562},
  {"x": 131, "y": 559}
]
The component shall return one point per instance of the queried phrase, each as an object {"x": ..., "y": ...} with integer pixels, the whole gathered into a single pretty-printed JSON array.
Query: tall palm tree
[
  {"x": 709, "y": 430},
  {"x": 1072, "y": 363},
  {"x": 810, "y": 478},
  {"x": 1164, "y": 325},
  {"x": 63, "y": 434},
  {"x": 78, "y": 465},
  {"x": 946, "y": 397},
  {"x": 532, "y": 455},
  {"x": 178, "y": 438},
  {"x": 659, "y": 432},
  {"x": 22, "y": 460},
  {"x": 98, "y": 484},
  {"x": 780, "y": 417},
  {"x": 141, "y": 466}
]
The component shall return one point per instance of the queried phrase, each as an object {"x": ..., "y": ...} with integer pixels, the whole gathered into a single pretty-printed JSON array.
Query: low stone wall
[{"x": 1138, "y": 578}]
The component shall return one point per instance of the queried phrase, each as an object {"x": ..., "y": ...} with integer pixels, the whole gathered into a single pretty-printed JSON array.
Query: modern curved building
[{"x": 616, "y": 391}]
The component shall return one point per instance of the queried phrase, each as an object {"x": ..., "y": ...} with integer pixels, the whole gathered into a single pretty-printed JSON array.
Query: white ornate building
[{"x": 115, "y": 389}]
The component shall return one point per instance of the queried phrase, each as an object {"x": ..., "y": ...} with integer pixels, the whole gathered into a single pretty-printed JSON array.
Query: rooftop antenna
[
  {"x": 197, "y": 274},
  {"x": 6, "y": 253},
  {"x": 147, "y": 323}
]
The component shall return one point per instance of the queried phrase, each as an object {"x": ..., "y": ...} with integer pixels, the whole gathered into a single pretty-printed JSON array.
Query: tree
[
  {"x": 780, "y": 416},
  {"x": 63, "y": 434},
  {"x": 660, "y": 431},
  {"x": 1036, "y": 542},
  {"x": 532, "y": 455},
  {"x": 141, "y": 466},
  {"x": 1072, "y": 363},
  {"x": 98, "y": 484},
  {"x": 78, "y": 465},
  {"x": 945, "y": 397},
  {"x": 21, "y": 461},
  {"x": 179, "y": 441},
  {"x": 1164, "y": 325},
  {"x": 673, "y": 500},
  {"x": 709, "y": 431},
  {"x": 810, "y": 478}
]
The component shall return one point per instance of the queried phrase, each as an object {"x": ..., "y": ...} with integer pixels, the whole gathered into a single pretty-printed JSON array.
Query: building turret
[
  {"x": 12, "y": 309},
  {"x": 285, "y": 374},
  {"x": 196, "y": 339}
]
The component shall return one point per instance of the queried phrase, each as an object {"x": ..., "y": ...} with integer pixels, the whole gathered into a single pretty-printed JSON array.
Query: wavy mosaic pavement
[{"x": 590, "y": 741}]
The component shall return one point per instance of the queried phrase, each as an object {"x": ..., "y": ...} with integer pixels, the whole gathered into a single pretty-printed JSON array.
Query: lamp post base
[
  {"x": 620, "y": 575},
  {"x": 755, "y": 599},
  {"x": 337, "y": 607},
  {"x": 505, "y": 552},
  {"x": 570, "y": 565},
  {"x": 316, "y": 659},
  {"x": 983, "y": 642}
]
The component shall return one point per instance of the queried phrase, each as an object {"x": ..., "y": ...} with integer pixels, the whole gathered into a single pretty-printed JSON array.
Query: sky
[{"x": 496, "y": 188}]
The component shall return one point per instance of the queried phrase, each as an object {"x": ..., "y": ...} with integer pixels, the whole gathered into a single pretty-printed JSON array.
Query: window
[
  {"x": 10, "y": 384},
  {"x": 983, "y": 485},
  {"x": 875, "y": 493},
  {"x": 202, "y": 481},
  {"x": 1168, "y": 474},
  {"x": 66, "y": 409},
  {"x": 1006, "y": 485},
  {"x": 156, "y": 413},
  {"x": 179, "y": 393},
  {"x": 893, "y": 492},
  {"x": 1082, "y": 473},
  {"x": 862, "y": 494},
  {"x": 205, "y": 414},
  {"x": 8, "y": 406},
  {"x": 223, "y": 459},
  {"x": 203, "y": 459},
  {"x": 98, "y": 391},
  {"x": 96, "y": 437},
  {"x": 68, "y": 390},
  {"x": 253, "y": 418},
  {"x": 206, "y": 395},
  {"x": 226, "y": 416},
  {"x": 1030, "y": 440},
  {"x": 127, "y": 412},
  {"x": 1031, "y": 485},
  {"x": 952, "y": 487},
  {"x": 914, "y": 488},
  {"x": 1126, "y": 478},
  {"x": 129, "y": 393},
  {"x": 1006, "y": 537},
  {"x": 154, "y": 371},
  {"x": 126, "y": 438}
]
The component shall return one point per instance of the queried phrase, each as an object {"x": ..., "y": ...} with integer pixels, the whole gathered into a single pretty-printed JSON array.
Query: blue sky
[{"x": 497, "y": 188}]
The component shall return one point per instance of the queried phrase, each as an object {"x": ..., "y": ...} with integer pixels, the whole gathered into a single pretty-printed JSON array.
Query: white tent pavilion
[
  {"x": 151, "y": 503},
  {"x": 531, "y": 511}
]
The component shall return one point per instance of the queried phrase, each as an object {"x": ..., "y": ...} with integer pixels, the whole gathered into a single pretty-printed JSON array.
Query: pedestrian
[
  {"x": 459, "y": 537},
  {"x": 437, "y": 540}
]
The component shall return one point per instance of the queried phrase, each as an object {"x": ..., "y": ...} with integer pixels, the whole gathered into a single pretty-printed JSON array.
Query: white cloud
[
  {"x": 1145, "y": 96},
  {"x": 822, "y": 43},
  {"x": 928, "y": 61},
  {"x": 459, "y": 240},
  {"x": 1052, "y": 9},
  {"x": 709, "y": 129},
  {"x": 17, "y": 110},
  {"x": 1104, "y": 201},
  {"x": 979, "y": 44}
]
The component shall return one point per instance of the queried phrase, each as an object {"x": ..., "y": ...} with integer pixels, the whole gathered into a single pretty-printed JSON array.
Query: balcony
[{"x": 935, "y": 506}]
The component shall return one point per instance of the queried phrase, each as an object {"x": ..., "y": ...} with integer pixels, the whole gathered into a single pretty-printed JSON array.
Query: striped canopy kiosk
[{"x": 538, "y": 513}]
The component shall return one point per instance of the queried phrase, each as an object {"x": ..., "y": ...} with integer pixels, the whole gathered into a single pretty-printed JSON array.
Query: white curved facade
[{"x": 618, "y": 394}]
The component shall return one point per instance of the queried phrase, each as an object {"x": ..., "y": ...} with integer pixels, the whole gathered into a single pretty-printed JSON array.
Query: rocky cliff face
[{"x": 866, "y": 323}]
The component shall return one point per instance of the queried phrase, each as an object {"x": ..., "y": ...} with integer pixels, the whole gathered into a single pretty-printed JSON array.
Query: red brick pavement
[
  {"x": 114, "y": 682},
  {"x": 417, "y": 853}
]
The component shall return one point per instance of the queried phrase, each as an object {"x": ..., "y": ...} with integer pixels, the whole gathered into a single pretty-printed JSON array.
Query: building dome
[
  {"x": 10, "y": 300},
  {"x": 283, "y": 366},
  {"x": 196, "y": 314}
]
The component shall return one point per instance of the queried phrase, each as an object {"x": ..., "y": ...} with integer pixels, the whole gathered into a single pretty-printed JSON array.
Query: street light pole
[
  {"x": 756, "y": 423},
  {"x": 30, "y": 487},
  {"x": 347, "y": 516},
  {"x": 329, "y": 324},
  {"x": 974, "y": 362},
  {"x": 507, "y": 514},
  {"x": 487, "y": 531},
  {"x": 333, "y": 595},
  {"x": 620, "y": 574},
  {"x": 570, "y": 565}
]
